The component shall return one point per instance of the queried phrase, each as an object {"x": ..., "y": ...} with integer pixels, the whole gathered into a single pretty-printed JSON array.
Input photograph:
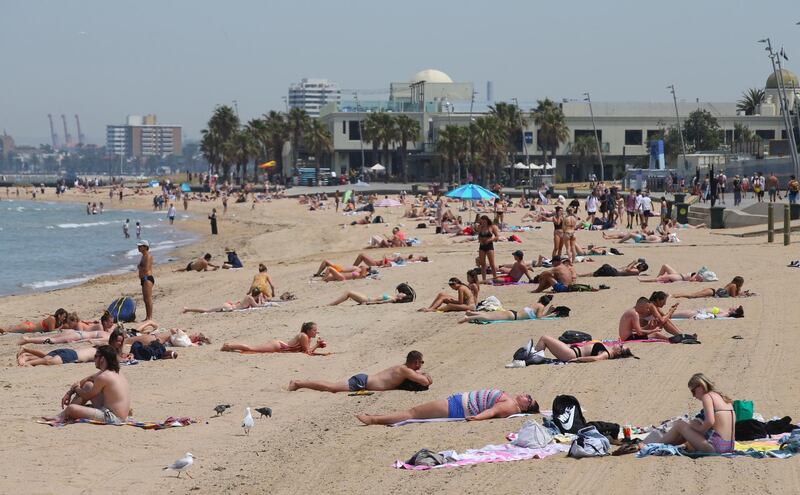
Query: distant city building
[
  {"x": 313, "y": 94},
  {"x": 6, "y": 145},
  {"x": 143, "y": 137}
]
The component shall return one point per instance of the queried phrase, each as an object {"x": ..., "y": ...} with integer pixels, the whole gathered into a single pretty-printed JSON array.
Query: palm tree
[
  {"x": 211, "y": 147},
  {"x": 381, "y": 129},
  {"x": 297, "y": 120},
  {"x": 513, "y": 122},
  {"x": 489, "y": 138},
  {"x": 257, "y": 128},
  {"x": 750, "y": 101},
  {"x": 370, "y": 133},
  {"x": 277, "y": 133},
  {"x": 552, "y": 125},
  {"x": 319, "y": 142},
  {"x": 584, "y": 146},
  {"x": 408, "y": 130},
  {"x": 451, "y": 143},
  {"x": 742, "y": 133},
  {"x": 243, "y": 148},
  {"x": 216, "y": 142}
]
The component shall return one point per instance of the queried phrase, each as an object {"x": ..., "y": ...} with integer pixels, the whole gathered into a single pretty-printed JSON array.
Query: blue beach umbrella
[
  {"x": 185, "y": 187},
  {"x": 471, "y": 192}
]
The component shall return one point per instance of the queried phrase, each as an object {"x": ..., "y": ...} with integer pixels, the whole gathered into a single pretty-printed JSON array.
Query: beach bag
[
  {"x": 683, "y": 338},
  {"x": 153, "y": 350},
  {"x": 422, "y": 225},
  {"x": 532, "y": 435},
  {"x": 491, "y": 303},
  {"x": 743, "y": 409},
  {"x": 377, "y": 219},
  {"x": 567, "y": 414},
  {"x": 610, "y": 430},
  {"x": 750, "y": 429},
  {"x": 590, "y": 443},
  {"x": 605, "y": 271},
  {"x": 580, "y": 288},
  {"x": 561, "y": 311},
  {"x": 406, "y": 289},
  {"x": 791, "y": 441},
  {"x": 123, "y": 310},
  {"x": 574, "y": 337}
]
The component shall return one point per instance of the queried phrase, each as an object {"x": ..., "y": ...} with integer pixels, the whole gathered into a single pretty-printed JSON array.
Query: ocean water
[{"x": 45, "y": 245}]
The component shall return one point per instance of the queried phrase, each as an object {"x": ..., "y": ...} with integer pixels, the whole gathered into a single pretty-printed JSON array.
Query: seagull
[
  {"x": 182, "y": 464},
  {"x": 221, "y": 408},
  {"x": 265, "y": 411},
  {"x": 247, "y": 422}
]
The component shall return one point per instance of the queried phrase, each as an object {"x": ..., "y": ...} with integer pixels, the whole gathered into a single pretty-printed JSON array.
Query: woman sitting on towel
[
  {"x": 300, "y": 343},
  {"x": 578, "y": 354},
  {"x": 733, "y": 289},
  {"x": 252, "y": 300},
  {"x": 714, "y": 432},
  {"x": 476, "y": 405},
  {"x": 536, "y": 311},
  {"x": 52, "y": 322},
  {"x": 709, "y": 313},
  {"x": 66, "y": 336},
  {"x": 464, "y": 300}
]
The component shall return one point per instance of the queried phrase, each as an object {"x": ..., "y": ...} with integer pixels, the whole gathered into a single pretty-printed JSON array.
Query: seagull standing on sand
[
  {"x": 247, "y": 422},
  {"x": 182, "y": 464}
]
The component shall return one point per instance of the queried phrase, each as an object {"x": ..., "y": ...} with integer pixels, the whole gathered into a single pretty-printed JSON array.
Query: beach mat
[
  {"x": 489, "y": 453},
  {"x": 447, "y": 420},
  {"x": 479, "y": 322},
  {"x": 170, "y": 422}
]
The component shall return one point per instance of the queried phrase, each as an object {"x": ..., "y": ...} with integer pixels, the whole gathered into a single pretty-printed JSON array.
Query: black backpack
[
  {"x": 561, "y": 311},
  {"x": 574, "y": 337},
  {"x": 567, "y": 414},
  {"x": 153, "y": 350},
  {"x": 377, "y": 219},
  {"x": 406, "y": 289}
]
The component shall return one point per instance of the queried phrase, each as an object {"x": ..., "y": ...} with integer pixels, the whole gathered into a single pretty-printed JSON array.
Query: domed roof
[
  {"x": 431, "y": 76},
  {"x": 789, "y": 80}
]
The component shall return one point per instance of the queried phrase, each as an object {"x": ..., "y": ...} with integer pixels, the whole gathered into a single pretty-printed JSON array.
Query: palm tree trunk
[{"x": 403, "y": 172}]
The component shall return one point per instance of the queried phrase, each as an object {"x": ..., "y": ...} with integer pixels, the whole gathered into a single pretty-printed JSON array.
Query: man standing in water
[
  {"x": 146, "y": 277},
  {"x": 171, "y": 213}
]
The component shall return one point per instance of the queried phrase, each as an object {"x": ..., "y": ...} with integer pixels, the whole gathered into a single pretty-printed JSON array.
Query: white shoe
[
  {"x": 516, "y": 364},
  {"x": 538, "y": 357}
]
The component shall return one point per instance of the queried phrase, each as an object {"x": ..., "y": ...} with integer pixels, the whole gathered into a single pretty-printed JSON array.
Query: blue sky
[{"x": 178, "y": 59}]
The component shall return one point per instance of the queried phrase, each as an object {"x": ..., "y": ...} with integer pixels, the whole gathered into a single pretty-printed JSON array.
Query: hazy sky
[{"x": 178, "y": 59}]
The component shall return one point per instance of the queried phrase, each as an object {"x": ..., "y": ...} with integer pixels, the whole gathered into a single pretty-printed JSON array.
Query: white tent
[
  {"x": 537, "y": 167},
  {"x": 520, "y": 166},
  {"x": 377, "y": 168},
  {"x": 549, "y": 167}
]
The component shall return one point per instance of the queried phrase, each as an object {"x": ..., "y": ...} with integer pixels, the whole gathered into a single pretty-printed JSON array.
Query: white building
[
  {"x": 143, "y": 137},
  {"x": 313, "y": 94}
]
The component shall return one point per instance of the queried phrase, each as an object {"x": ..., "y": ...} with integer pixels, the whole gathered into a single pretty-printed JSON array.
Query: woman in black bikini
[
  {"x": 578, "y": 354},
  {"x": 558, "y": 231},
  {"x": 733, "y": 289},
  {"x": 488, "y": 234},
  {"x": 146, "y": 277}
]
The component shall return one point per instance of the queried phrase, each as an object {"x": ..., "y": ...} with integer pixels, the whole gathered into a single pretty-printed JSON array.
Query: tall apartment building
[
  {"x": 313, "y": 94},
  {"x": 143, "y": 137}
]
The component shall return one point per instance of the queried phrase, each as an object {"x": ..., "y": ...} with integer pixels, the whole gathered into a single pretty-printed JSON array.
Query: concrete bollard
[
  {"x": 787, "y": 225},
  {"x": 770, "y": 223}
]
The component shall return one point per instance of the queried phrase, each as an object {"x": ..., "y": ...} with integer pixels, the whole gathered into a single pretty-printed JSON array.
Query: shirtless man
[
  {"x": 199, "y": 265},
  {"x": 146, "y": 276},
  {"x": 634, "y": 268},
  {"x": 401, "y": 377},
  {"x": 630, "y": 323},
  {"x": 559, "y": 277},
  {"x": 514, "y": 272},
  {"x": 107, "y": 391}
]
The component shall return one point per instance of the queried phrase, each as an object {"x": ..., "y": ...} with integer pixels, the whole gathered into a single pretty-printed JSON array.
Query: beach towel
[
  {"x": 447, "y": 420},
  {"x": 490, "y": 453},
  {"x": 760, "y": 449},
  {"x": 170, "y": 422},
  {"x": 480, "y": 322}
]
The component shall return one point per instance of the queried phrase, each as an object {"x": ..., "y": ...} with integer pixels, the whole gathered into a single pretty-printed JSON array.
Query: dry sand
[{"x": 313, "y": 441}]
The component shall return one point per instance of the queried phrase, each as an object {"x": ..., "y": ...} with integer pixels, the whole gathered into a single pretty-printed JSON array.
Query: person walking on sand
[
  {"x": 171, "y": 213},
  {"x": 213, "y": 218},
  {"x": 400, "y": 377},
  {"x": 146, "y": 277}
]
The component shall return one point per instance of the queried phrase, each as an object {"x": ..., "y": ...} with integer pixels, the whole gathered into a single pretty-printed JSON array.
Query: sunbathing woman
[
  {"x": 709, "y": 313},
  {"x": 254, "y": 299},
  {"x": 52, "y": 322},
  {"x": 405, "y": 294},
  {"x": 150, "y": 331},
  {"x": 388, "y": 260},
  {"x": 536, "y": 311},
  {"x": 667, "y": 274},
  {"x": 465, "y": 300},
  {"x": 715, "y": 433},
  {"x": 66, "y": 336},
  {"x": 578, "y": 354},
  {"x": 475, "y": 405},
  {"x": 637, "y": 238},
  {"x": 733, "y": 289},
  {"x": 339, "y": 268},
  {"x": 331, "y": 275},
  {"x": 300, "y": 343}
]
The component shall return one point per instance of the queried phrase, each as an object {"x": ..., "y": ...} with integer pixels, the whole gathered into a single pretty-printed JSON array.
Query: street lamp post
[
  {"x": 777, "y": 71},
  {"x": 596, "y": 138},
  {"x": 671, "y": 87},
  {"x": 449, "y": 107},
  {"x": 360, "y": 137},
  {"x": 469, "y": 132},
  {"x": 524, "y": 145}
]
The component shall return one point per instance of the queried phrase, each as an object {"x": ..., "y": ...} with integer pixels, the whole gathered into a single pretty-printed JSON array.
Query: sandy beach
[{"x": 314, "y": 442}]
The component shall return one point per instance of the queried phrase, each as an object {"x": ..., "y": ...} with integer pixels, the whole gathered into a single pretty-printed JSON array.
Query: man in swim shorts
[
  {"x": 559, "y": 277},
  {"x": 513, "y": 273},
  {"x": 401, "y": 377},
  {"x": 106, "y": 393}
]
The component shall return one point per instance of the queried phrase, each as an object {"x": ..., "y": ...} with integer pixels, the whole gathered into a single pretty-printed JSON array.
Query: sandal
[{"x": 628, "y": 447}]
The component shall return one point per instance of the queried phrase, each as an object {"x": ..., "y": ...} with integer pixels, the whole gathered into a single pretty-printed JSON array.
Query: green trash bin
[
  {"x": 794, "y": 211},
  {"x": 717, "y": 214},
  {"x": 680, "y": 197},
  {"x": 682, "y": 213}
]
